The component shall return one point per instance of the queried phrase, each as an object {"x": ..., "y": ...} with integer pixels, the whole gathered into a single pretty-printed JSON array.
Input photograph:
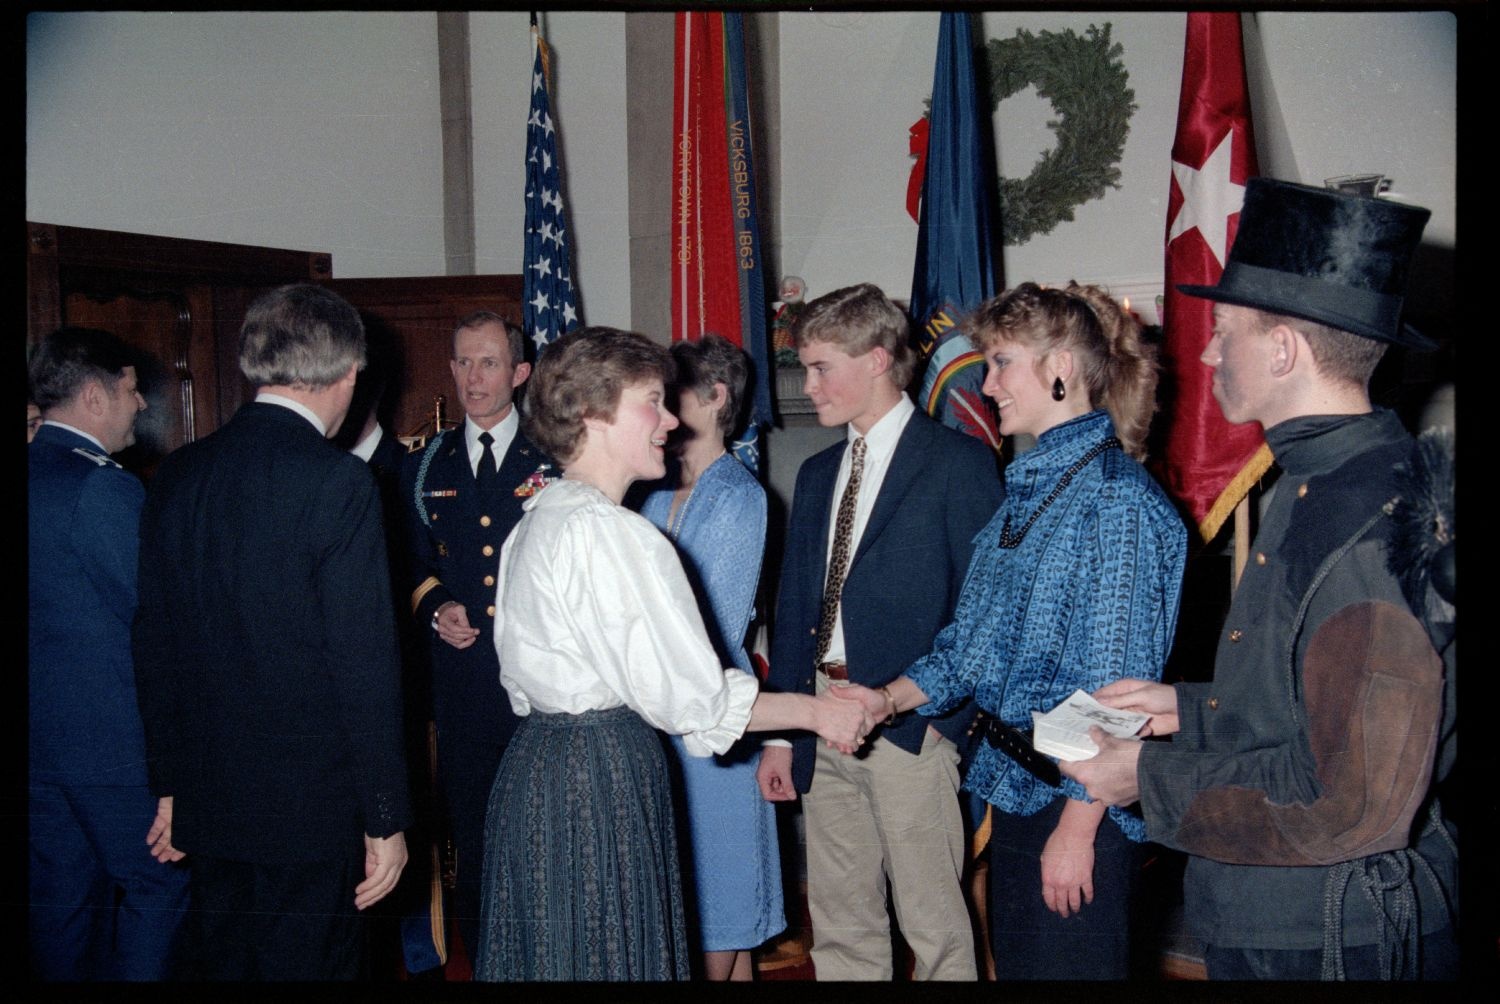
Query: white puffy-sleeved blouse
[{"x": 593, "y": 611}]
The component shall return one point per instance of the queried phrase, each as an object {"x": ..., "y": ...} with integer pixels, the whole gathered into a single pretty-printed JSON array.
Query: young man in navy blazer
[{"x": 861, "y": 605}]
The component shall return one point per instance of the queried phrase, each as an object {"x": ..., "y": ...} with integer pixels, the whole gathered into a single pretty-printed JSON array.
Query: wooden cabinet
[{"x": 183, "y": 301}]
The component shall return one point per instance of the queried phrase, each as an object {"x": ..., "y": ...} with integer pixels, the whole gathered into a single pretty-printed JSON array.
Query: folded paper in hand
[{"x": 1063, "y": 732}]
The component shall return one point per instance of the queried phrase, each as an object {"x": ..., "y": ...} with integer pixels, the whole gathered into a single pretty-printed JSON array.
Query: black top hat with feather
[{"x": 1327, "y": 256}]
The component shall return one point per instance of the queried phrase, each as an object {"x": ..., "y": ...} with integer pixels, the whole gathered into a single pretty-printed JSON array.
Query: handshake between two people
[
  {"x": 847, "y": 712},
  {"x": 843, "y": 715}
]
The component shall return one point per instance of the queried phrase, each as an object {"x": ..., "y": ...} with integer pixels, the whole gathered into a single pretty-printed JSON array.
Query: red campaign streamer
[{"x": 705, "y": 274}]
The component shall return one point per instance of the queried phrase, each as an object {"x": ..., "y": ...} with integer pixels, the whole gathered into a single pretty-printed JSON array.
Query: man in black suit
[
  {"x": 415, "y": 909},
  {"x": 463, "y": 494},
  {"x": 879, "y": 538},
  {"x": 266, "y": 661}
]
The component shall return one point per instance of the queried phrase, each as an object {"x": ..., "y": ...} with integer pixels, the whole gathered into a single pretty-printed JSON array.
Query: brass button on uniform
[
  {"x": 489, "y": 580},
  {"x": 1236, "y": 634},
  {"x": 1213, "y": 704},
  {"x": 490, "y": 610},
  {"x": 1302, "y": 490},
  {"x": 1260, "y": 558},
  {"x": 434, "y": 517},
  {"x": 484, "y": 521},
  {"x": 487, "y": 550}
]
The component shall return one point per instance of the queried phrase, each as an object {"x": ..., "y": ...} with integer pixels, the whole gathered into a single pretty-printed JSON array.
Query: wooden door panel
[
  {"x": 410, "y": 321},
  {"x": 178, "y": 372}
]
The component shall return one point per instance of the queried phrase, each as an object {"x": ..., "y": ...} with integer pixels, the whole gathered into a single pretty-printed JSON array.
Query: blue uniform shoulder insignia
[{"x": 102, "y": 459}]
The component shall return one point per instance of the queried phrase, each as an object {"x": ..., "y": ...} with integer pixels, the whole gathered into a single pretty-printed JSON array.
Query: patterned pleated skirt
[{"x": 581, "y": 873}]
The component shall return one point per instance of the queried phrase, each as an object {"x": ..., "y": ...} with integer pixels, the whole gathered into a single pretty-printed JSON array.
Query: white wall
[
  {"x": 1356, "y": 93},
  {"x": 1363, "y": 93},
  {"x": 313, "y": 131},
  {"x": 588, "y": 92},
  {"x": 321, "y": 131}
]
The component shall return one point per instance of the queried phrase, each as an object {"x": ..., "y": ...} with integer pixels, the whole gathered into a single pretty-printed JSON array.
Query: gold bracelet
[{"x": 891, "y": 720}]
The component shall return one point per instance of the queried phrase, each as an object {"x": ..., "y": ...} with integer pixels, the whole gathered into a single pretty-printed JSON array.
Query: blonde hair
[
  {"x": 856, "y": 320},
  {"x": 1117, "y": 368}
]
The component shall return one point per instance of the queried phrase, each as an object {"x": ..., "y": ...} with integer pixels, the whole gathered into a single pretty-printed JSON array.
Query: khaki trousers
[{"x": 892, "y": 815}]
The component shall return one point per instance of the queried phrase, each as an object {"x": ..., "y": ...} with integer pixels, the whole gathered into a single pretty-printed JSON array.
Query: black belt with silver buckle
[{"x": 1017, "y": 745}]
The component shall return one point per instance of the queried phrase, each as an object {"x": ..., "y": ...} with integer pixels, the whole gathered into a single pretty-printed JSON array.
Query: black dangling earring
[{"x": 1058, "y": 390}]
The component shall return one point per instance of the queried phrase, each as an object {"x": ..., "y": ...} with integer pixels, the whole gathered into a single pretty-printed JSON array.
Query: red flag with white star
[{"x": 1208, "y": 464}]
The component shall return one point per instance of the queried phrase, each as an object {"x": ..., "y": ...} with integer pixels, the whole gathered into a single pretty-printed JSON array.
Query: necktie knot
[{"x": 486, "y": 474}]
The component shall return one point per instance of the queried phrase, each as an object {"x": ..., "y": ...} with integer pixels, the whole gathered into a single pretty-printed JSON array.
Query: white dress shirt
[
  {"x": 365, "y": 448},
  {"x": 593, "y": 611},
  {"x": 77, "y": 432},
  {"x": 503, "y": 433},
  {"x": 297, "y": 406},
  {"x": 880, "y": 446}
]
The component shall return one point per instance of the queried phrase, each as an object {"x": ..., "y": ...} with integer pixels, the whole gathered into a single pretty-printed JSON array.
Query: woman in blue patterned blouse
[{"x": 1074, "y": 583}]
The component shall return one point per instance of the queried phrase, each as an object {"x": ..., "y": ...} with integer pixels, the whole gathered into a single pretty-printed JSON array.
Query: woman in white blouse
[{"x": 601, "y": 644}]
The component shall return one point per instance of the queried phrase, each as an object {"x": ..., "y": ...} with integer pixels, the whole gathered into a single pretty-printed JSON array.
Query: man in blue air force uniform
[
  {"x": 100, "y": 906},
  {"x": 463, "y": 494}
]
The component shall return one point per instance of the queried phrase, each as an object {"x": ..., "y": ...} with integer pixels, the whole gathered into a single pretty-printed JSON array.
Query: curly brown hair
[{"x": 582, "y": 375}]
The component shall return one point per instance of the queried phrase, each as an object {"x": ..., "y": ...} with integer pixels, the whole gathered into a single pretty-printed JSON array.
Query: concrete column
[
  {"x": 648, "y": 150},
  {"x": 454, "y": 97}
]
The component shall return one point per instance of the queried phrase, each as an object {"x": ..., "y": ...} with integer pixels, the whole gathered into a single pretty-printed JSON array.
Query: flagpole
[{"x": 1241, "y": 542}]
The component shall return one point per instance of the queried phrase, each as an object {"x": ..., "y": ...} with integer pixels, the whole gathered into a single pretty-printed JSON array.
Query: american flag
[{"x": 551, "y": 304}]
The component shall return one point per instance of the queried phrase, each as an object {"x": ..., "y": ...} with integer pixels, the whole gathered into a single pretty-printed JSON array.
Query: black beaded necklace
[{"x": 1010, "y": 540}]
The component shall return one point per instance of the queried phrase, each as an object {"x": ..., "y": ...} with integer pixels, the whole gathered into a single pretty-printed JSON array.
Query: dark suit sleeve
[
  {"x": 153, "y": 647},
  {"x": 359, "y": 647},
  {"x": 974, "y": 492},
  {"x": 427, "y": 589},
  {"x": 791, "y": 652}
]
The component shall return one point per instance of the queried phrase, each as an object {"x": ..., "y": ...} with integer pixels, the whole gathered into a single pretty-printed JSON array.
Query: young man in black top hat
[{"x": 1300, "y": 780}]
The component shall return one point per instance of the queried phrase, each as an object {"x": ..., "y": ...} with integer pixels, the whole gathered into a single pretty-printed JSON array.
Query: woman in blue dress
[
  {"x": 715, "y": 512},
  {"x": 1074, "y": 583}
]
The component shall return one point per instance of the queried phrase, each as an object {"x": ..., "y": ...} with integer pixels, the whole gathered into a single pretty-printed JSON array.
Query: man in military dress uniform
[{"x": 464, "y": 494}]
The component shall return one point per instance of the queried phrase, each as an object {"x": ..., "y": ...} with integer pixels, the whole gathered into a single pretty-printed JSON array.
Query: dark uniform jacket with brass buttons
[
  {"x": 456, "y": 537},
  {"x": 1300, "y": 779}
]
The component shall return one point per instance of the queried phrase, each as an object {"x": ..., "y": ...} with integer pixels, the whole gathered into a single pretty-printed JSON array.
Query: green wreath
[{"x": 1087, "y": 85}]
